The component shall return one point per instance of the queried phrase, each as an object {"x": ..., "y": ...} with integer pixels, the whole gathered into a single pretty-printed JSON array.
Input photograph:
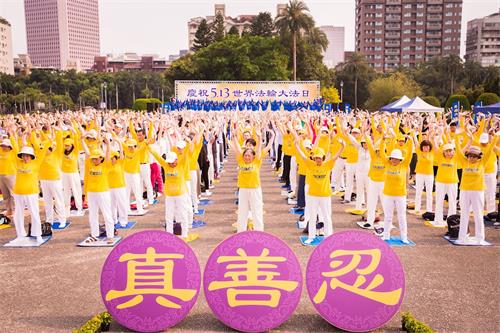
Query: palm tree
[
  {"x": 294, "y": 18},
  {"x": 356, "y": 65},
  {"x": 453, "y": 69},
  {"x": 317, "y": 38}
]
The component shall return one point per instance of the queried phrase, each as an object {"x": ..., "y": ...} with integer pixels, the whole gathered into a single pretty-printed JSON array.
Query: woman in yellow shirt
[
  {"x": 375, "y": 181},
  {"x": 396, "y": 167},
  {"x": 424, "y": 175},
  {"x": 117, "y": 189},
  {"x": 8, "y": 152},
  {"x": 446, "y": 181},
  {"x": 98, "y": 196},
  {"x": 70, "y": 175},
  {"x": 249, "y": 193},
  {"x": 472, "y": 188}
]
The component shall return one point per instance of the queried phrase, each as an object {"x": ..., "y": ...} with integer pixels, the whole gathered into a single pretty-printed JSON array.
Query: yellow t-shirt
[
  {"x": 51, "y": 166},
  {"x": 175, "y": 183},
  {"x": 27, "y": 177},
  {"x": 248, "y": 173},
  {"x": 473, "y": 176},
  {"x": 116, "y": 174},
  {"x": 132, "y": 162},
  {"x": 395, "y": 179},
  {"x": 70, "y": 162},
  {"x": 425, "y": 163},
  {"x": 318, "y": 178},
  {"x": 97, "y": 177},
  {"x": 287, "y": 144},
  {"x": 447, "y": 169},
  {"x": 324, "y": 142},
  {"x": 491, "y": 162},
  {"x": 184, "y": 160},
  {"x": 8, "y": 161},
  {"x": 193, "y": 161}
]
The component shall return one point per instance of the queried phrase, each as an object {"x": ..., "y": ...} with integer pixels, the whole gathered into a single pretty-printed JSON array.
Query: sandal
[{"x": 90, "y": 239}]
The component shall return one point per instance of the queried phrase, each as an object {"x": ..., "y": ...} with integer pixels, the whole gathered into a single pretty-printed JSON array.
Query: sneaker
[
  {"x": 292, "y": 202},
  {"x": 405, "y": 241},
  {"x": 151, "y": 202},
  {"x": 62, "y": 225},
  {"x": 309, "y": 241},
  {"x": 39, "y": 239},
  {"x": 206, "y": 193}
]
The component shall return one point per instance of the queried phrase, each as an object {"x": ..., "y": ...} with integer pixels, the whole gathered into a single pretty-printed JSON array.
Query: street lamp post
[{"x": 342, "y": 91}]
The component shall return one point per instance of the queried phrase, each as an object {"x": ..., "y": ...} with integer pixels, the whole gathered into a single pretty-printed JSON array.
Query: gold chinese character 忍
[
  {"x": 255, "y": 271},
  {"x": 385, "y": 297},
  {"x": 149, "y": 274}
]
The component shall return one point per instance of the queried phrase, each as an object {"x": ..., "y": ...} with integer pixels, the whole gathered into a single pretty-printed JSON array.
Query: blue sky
[{"x": 160, "y": 26}]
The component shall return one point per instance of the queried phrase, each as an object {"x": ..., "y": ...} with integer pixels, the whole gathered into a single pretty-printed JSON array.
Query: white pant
[
  {"x": 321, "y": 206},
  {"x": 194, "y": 189},
  {"x": 350, "y": 170},
  {"x": 293, "y": 174},
  {"x": 100, "y": 201},
  {"x": 72, "y": 185},
  {"x": 53, "y": 197},
  {"x": 250, "y": 199},
  {"x": 420, "y": 181},
  {"x": 374, "y": 195},
  {"x": 81, "y": 165},
  {"x": 471, "y": 200},
  {"x": 29, "y": 201},
  {"x": 361, "y": 186},
  {"x": 211, "y": 172},
  {"x": 337, "y": 178},
  {"x": 441, "y": 190},
  {"x": 490, "y": 180},
  {"x": 176, "y": 206},
  {"x": 133, "y": 184},
  {"x": 119, "y": 207},
  {"x": 146, "y": 181},
  {"x": 389, "y": 203}
]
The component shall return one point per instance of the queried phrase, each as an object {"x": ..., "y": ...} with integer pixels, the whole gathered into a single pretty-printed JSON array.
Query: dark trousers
[
  {"x": 286, "y": 169},
  {"x": 459, "y": 173},
  {"x": 278, "y": 157},
  {"x": 301, "y": 195},
  {"x": 204, "y": 176}
]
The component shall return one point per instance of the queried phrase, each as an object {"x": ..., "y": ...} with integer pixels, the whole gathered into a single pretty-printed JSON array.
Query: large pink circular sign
[
  {"x": 252, "y": 281},
  {"x": 150, "y": 281},
  {"x": 355, "y": 281}
]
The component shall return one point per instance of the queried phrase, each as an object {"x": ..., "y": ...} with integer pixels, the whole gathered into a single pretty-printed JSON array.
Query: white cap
[
  {"x": 397, "y": 154},
  {"x": 6, "y": 143},
  {"x": 181, "y": 144},
  {"x": 171, "y": 157},
  {"x": 308, "y": 144},
  {"x": 28, "y": 151},
  {"x": 449, "y": 146},
  {"x": 355, "y": 130},
  {"x": 91, "y": 134},
  {"x": 484, "y": 138}
]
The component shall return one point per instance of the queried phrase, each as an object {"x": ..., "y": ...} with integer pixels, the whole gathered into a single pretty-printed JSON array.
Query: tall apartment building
[
  {"x": 6, "y": 57},
  {"x": 62, "y": 34},
  {"x": 334, "y": 54},
  {"x": 241, "y": 22},
  {"x": 391, "y": 33},
  {"x": 483, "y": 40}
]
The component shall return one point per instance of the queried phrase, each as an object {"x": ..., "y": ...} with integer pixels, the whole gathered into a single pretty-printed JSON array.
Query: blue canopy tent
[
  {"x": 396, "y": 104},
  {"x": 493, "y": 108}
]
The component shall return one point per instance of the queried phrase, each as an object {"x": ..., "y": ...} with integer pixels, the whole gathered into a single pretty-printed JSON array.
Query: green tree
[
  {"x": 488, "y": 98},
  {"x": 292, "y": 20},
  {"x": 354, "y": 70},
  {"x": 218, "y": 28},
  {"x": 453, "y": 70},
  {"x": 383, "y": 89},
  {"x": 90, "y": 96},
  {"x": 203, "y": 36},
  {"x": 233, "y": 31},
  {"x": 464, "y": 102},
  {"x": 330, "y": 95},
  {"x": 262, "y": 25},
  {"x": 432, "y": 100},
  {"x": 317, "y": 38}
]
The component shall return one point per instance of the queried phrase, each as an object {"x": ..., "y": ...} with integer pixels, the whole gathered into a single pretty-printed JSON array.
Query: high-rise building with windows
[
  {"x": 6, "y": 57},
  {"x": 334, "y": 53},
  {"x": 392, "y": 33},
  {"x": 483, "y": 40},
  {"x": 62, "y": 34}
]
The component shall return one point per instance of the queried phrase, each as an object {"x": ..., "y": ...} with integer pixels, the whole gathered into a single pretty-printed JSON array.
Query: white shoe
[
  {"x": 151, "y": 202},
  {"x": 79, "y": 213},
  {"x": 62, "y": 225},
  {"x": 292, "y": 202},
  {"x": 405, "y": 241},
  {"x": 123, "y": 224},
  {"x": 309, "y": 241},
  {"x": 206, "y": 193},
  {"x": 39, "y": 239}
]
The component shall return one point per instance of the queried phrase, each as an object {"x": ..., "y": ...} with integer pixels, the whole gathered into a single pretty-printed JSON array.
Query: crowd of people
[{"x": 101, "y": 160}]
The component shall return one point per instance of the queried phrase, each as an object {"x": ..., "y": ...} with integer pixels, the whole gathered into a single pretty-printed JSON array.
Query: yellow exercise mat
[
  {"x": 249, "y": 225},
  {"x": 355, "y": 211},
  {"x": 216, "y": 181},
  {"x": 429, "y": 224},
  {"x": 5, "y": 226},
  {"x": 190, "y": 238},
  {"x": 338, "y": 193}
]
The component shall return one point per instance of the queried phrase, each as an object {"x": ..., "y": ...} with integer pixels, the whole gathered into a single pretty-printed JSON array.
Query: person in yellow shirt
[
  {"x": 71, "y": 177},
  {"x": 249, "y": 193},
  {"x": 446, "y": 182},
  {"x": 26, "y": 191},
  {"x": 98, "y": 197},
  {"x": 375, "y": 181},
  {"x": 351, "y": 152},
  {"x": 472, "y": 189},
  {"x": 132, "y": 169},
  {"x": 424, "y": 175},
  {"x": 145, "y": 170},
  {"x": 490, "y": 174},
  {"x": 176, "y": 194},
  {"x": 395, "y": 177},
  {"x": 117, "y": 189},
  {"x": 8, "y": 152}
]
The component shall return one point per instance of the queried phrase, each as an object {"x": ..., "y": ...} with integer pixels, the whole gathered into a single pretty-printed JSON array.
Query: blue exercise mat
[
  {"x": 296, "y": 211},
  {"x": 317, "y": 240},
  {"x": 27, "y": 242},
  {"x": 129, "y": 225},
  {"x": 198, "y": 224},
  {"x": 201, "y": 212},
  {"x": 205, "y": 202},
  {"x": 396, "y": 241},
  {"x": 56, "y": 225}
]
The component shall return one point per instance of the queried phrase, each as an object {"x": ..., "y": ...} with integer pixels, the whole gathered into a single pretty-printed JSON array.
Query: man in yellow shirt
[
  {"x": 8, "y": 152},
  {"x": 145, "y": 170},
  {"x": 71, "y": 177},
  {"x": 117, "y": 189},
  {"x": 375, "y": 181},
  {"x": 132, "y": 173},
  {"x": 490, "y": 174}
]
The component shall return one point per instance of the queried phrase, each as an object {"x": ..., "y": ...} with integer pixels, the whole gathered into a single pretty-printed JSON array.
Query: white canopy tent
[
  {"x": 396, "y": 104},
  {"x": 417, "y": 105}
]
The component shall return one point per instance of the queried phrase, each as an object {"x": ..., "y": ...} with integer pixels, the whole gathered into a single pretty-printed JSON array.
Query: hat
[
  {"x": 68, "y": 142},
  {"x": 6, "y": 143},
  {"x": 484, "y": 138},
  {"x": 92, "y": 134},
  {"x": 355, "y": 130},
  {"x": 397, "y": 154},
  {"x": 474, "y": 150},
  {"x": 400, "y": 137},
  {"x": 131, "y": 143},
  {"x": 318, "y": 152},
  {"x": 363, "y": 140},
  {"x": 181, "y": 144},
  {"x": 307, "y": 144},
  {"x": 449, "y": 146},
  {"x": 96, "y": 153},
  {"x": 115, "y": 153},
  {"x": 171, "y": 157},
  {"x": 27, "y": 151}
]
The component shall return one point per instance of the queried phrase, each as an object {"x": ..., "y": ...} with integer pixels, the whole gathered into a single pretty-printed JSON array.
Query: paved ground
[{"x": 56, "y": 287}]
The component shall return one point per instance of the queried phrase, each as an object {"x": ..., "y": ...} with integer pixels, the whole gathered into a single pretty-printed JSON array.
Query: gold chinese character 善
[
  {"x": 150, "y": 273},
  {"x": 255, "y": 271},
  {"x": 359, "y": 286}
]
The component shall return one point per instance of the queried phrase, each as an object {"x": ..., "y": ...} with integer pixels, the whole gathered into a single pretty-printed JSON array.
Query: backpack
[
  {"x": 4, "y": 219},
  {"x": 46, "y": 229},
  {"x": 453, "y": 222}
]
